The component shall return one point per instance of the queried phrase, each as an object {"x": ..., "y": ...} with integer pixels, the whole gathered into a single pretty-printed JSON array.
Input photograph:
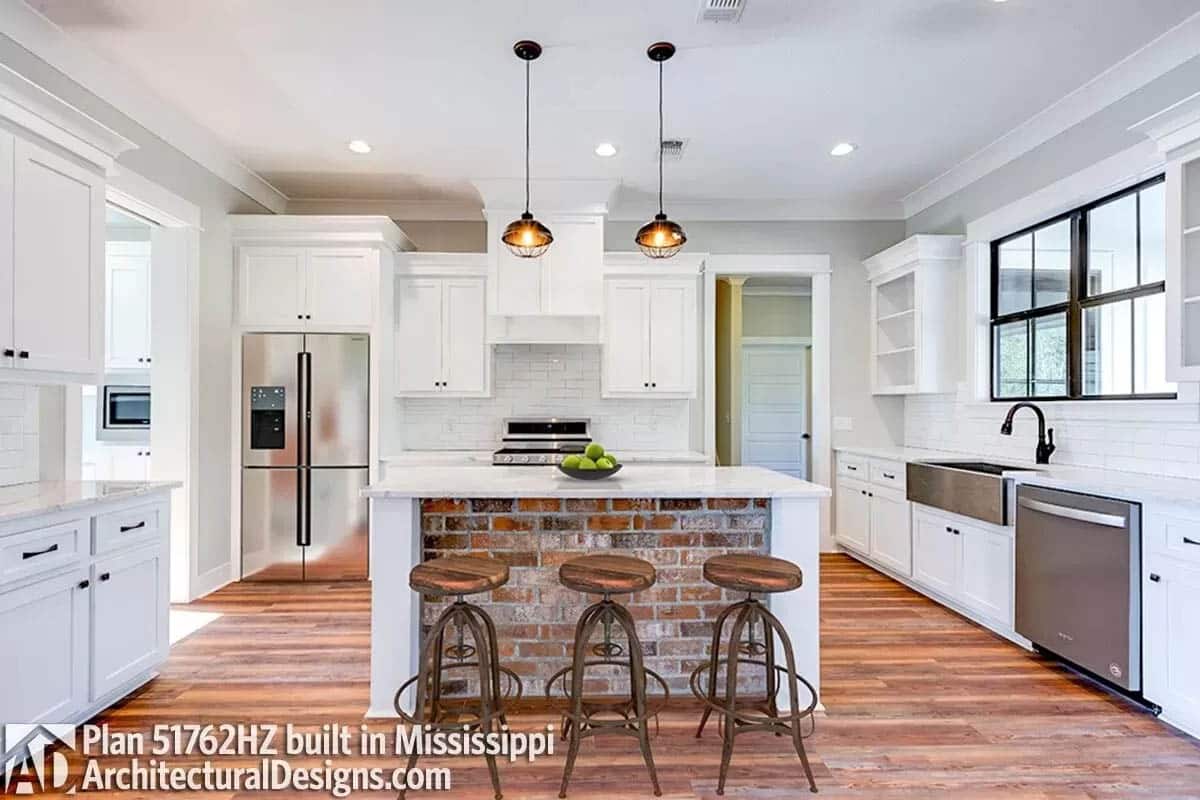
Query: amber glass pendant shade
[
  {"x": 526, "y": 237},
  {"x": 660, "y": 238}
]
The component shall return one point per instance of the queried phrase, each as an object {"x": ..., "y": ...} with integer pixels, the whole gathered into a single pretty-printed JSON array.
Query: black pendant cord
[
  {"x": 526, "y": 137},
  {"x": 660, "y": 137}
]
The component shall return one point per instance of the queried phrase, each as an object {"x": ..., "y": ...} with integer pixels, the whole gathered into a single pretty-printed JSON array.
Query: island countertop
[{"x": 634, "y": 480}]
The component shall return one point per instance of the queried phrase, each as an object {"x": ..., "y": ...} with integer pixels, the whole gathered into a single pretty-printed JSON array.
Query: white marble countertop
[
  {"x": 46, "y": 497},
  {"x": 1132, "y": 486},
  {"x": 634, "y": 480},
  {"x": 448, "y": 457}
]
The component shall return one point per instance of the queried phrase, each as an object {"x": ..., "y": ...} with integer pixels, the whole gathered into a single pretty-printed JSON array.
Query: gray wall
[{"x": 877, "y": 420}]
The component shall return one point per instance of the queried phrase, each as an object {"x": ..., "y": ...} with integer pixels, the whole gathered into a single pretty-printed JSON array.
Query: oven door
[{"x": 123, "y": 414}]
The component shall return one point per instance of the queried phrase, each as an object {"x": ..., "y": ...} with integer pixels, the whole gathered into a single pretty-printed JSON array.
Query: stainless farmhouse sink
[{"x": 972, "y": 488}]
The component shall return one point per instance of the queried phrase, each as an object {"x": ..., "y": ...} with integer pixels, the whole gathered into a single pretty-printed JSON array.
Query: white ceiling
[{"x": 919, "y": 85}]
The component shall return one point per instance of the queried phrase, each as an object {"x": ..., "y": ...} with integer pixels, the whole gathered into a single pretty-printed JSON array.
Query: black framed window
[{"x": 1079, "y": 303}]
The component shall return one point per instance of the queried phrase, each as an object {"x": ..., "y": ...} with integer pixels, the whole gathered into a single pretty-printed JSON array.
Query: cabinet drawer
[
  {"x": 1175, "y": 536},
  {"x": 853, "y": 466},
  {"x": 133, "y": 526},
  {"x": 888, "y": 473},
  {"x": 24, "y": 555}
]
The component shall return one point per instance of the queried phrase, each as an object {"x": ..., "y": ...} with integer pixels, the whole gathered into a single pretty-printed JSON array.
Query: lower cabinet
[
  {"x": 1171, "y": 639},
  {"x": 853, "y": 515},
  {"x": 129, "y": 632},
  {"x": 874, "y": 521},
  {"x": 966, "y": 562},
  {"x": 44, "y": 658}
]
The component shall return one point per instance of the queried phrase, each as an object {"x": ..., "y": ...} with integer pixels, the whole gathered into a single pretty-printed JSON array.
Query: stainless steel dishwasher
[{"x": 1078, "y": 581}]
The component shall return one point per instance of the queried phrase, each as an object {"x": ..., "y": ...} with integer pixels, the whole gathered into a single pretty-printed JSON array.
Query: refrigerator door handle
[
  {"x": 304, "y": 529},
  {"x": 303, "y": 389},
  {"x": 301, "y": 506},
  {"x": 306, "y": 395}
]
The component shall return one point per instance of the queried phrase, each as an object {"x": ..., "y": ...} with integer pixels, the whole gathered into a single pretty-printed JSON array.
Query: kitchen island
[{"x": 535, "y": 518}]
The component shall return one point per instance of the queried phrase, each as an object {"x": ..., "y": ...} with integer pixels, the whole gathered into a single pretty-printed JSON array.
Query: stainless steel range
[{"x": 540, "y": 441}]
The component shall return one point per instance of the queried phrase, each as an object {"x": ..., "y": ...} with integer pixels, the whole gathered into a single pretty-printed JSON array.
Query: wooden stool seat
[
  {"x": 607, "y": 574},
  {"x": 752, "y": 573},
  {"x": 457, "y": 575}
]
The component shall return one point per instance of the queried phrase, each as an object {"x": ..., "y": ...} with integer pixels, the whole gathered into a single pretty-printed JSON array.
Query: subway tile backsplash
[
  {"x": 1154, "y": 437},
  {"x": 543, "y": 380},
  {"x": 18, "y": 434}
]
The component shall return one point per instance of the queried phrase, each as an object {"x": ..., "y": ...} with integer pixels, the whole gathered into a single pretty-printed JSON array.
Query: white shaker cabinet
[
  {"x": 440, "y": 337},
  {"x": 1171, "y": 601},
  {"x": 127, "y": 306},
  {"x": 566, "y": 280},
  {"x": 649, "y": 337},
  {"x": 853, "y": 528},
  {"x": 873, "y": 513},
  {"x": 969, "y": 563},
  {"x": 937, "y": 551},
  {"x": 129, "y": 630},
  {"x": 307, "y": 288},
  {"x": 271, "y": 285},
  {"x": 891, "y": 540}
]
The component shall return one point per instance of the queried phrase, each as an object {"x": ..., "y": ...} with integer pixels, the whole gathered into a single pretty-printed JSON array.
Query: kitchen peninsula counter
[{"x": 675, "y": 516}]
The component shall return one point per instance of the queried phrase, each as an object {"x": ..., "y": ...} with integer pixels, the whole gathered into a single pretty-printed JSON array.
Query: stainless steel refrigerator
[{"x": 305, "y": 434}]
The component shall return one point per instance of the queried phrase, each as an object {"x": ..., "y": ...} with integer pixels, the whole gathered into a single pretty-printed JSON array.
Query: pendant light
[
  {"x": 526, "y": 237},
  {"x": 660, "y": 238}
]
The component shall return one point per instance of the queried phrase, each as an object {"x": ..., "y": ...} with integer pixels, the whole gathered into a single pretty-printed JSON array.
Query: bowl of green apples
[{"x": 594, "y": 464}]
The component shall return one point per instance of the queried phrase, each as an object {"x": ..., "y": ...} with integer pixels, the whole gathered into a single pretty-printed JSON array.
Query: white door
[
  {"x": 936, "y": 553},
  {"x": 58, "y": 273},
  {"x": 891, "y": 534},
  {"x": 127, "y": 305},
  {"x": 574, "y": 268},
  {"x": 271, "y": 286},
  {"x": 6, "y": 248},
  {"x": 517, "y": 282},
  {"x": 341, "y": 289},
  {"x": 853, "y": 515},
  {"x": 129, "y": 630},
  {"x": 775, "y": 408},
  {"x": 987, "y": 572},
  {"x": 44, "y": 659},
  {"x": 1172, "y": 639},
  {"x": 626, "y": 336},
  {"x": 418, "y": 343},
  {"x": 464, "y": 336},
  {"x": 673, "y": 336}
]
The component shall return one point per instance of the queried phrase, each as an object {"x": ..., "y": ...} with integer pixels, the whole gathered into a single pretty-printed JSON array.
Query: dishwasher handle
[{"x": 1082, "y": 515}]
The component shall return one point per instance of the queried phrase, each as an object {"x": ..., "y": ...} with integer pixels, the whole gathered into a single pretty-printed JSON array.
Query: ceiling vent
[
  {"x": 721, "y": 10},
  {"x": 672, "y": 149}
]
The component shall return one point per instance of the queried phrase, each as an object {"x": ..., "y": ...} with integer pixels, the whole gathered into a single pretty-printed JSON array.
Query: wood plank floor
[{"x": 920, "y": 704}]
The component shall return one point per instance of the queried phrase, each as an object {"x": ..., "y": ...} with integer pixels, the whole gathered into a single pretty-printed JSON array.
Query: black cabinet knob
[
  {"x": 23, "y": 354},
  {"x": 1155, "y": 578},
  {"x": 148, "y": 359},
  {"x": 646, "y": 385},
  {"x": 104, "y": 576},
  {"x": 9, "y": 352},
  {"x": 84, "y": 584},
  {"x": 653, "y": 385},
  {"x": 308, "y": 316}
]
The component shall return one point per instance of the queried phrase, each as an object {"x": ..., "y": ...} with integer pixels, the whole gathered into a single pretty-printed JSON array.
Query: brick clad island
[{"x": 535, "y": 518}]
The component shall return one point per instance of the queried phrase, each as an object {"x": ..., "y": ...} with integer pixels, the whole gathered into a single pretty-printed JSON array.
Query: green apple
[
  {"x": 594, "y": 450},
  {"x": 586, "y": 463},
  {"x": 611, "y": 458},
  {"x": 604, "y": 462},
  {"x": 571, "y": 462}
]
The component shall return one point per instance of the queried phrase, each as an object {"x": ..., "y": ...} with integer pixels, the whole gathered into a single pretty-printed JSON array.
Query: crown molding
[
  {"x": 422, "y": 210},
  {"x": 1173, "y": 48},
  {"x": 548, "y": 198},
  {"x": 346, "y": 230},
  {"x": 130, "y": 97},
  {"x": 756, "y": 210}
]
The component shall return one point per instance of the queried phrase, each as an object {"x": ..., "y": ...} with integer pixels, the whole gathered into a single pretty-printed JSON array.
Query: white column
[
  {"x": 395, "y": 609},
  {"x": 795, "y": 536}
]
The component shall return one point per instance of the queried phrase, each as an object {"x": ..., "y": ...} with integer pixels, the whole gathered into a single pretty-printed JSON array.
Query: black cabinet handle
[
  {"x": 852, "y": 468},
  {"x": 1186, "y": 540},
  {"x": 1155, "y": 578},
  {"x": 104, "y": 576},
  {"x": 23, "y": 354},
  {"x": 9, "y": 352},
  {"x": 36, "y": 553},
  {"x": 128, "y": 528},
  {"x": 889, "y": 476},
  {"x": 84, "y": 584}
]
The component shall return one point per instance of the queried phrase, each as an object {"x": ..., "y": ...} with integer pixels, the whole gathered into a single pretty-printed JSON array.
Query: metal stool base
[{"x": 758, "y": 716}]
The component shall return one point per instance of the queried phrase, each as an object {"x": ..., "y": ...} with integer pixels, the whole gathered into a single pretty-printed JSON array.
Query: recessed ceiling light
[
  {"x": 606, "y": 149},
  {"x": 843, "y": 149},
  {"x": 358, "y": 146}
]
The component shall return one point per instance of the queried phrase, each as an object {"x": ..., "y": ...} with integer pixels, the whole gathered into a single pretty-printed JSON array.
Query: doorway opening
[{"x": 764, "y": 372}]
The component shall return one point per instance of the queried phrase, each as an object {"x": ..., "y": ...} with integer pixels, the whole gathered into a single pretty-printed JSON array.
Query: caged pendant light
[
  {"x": 660, "y": 238},
  {"x": 526, "y": 237}
]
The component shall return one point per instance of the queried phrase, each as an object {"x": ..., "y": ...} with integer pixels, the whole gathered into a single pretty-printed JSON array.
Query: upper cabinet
[
  {"x": 440, "y": 342},
  {"x": 312, "y": 273},
  {"x": 650, "y": 333},
  {"x": 127, "y": 306},
  {"x": 914, "y": 315},
  {"x": 51, "y": 236}
]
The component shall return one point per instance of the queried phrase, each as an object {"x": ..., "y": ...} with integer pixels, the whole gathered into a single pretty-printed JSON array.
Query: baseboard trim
[{"x": 210, "y": 581}]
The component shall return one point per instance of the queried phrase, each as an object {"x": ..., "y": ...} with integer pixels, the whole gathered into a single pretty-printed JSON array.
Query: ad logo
[{"x": 28, "y": 767}]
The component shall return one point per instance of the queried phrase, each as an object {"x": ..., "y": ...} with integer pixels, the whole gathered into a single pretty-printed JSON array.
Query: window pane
[
  {"x": 1112, "y": 246},
  {"x": 1154, "y": 234},
  {"x": 1050, "y": 356},
  {"x": 1052, "y": 263},
  {"x": 1149, "y": 342},
  {"x": 1108, "y": 349},
  {"x": 1016, "y": 275},
  {"x": 1012, "y": 360}
]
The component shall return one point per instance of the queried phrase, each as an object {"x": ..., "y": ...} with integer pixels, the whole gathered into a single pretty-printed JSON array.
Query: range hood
[{"x": 557, "y": 298}]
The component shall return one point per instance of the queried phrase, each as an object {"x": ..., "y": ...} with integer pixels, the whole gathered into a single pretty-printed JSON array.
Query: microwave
[{"x": 123, "y": 413}]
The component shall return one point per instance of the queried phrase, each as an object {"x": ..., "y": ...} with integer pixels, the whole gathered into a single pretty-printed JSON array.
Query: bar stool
[
  {"x": 606, "y": 575},
  {"x": 458, "y": 576},
  {"x": 753, "y": 574}
]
